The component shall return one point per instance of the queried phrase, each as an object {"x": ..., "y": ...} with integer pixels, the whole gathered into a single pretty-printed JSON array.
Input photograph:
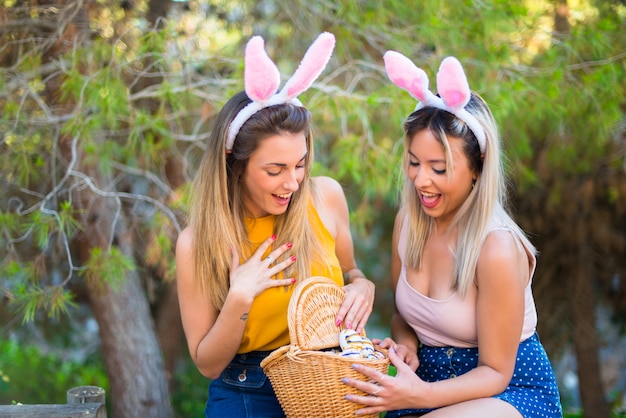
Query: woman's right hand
[
  {"x": 254, "y": 275},
  {"x": 408, "y": 356}
]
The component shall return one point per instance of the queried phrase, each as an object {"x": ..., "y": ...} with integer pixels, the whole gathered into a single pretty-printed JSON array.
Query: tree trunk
[
  {"x": 561, "y": 16},
  {"x": 585, "y": 335},
  {"x": 170, "y": 330},
  {"x": 131, "y": 352},
  {"x": 168, "y": 322},
  {"x": 157, "y": 9}
]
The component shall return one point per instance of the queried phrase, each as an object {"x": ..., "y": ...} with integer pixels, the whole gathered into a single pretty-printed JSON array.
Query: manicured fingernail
[
  {"x": 293, "y": 281},
  {"x": 355, "y": 366},
  {"x": 345, "y": 380},
  {"x": 292, "y": 258},
  {"x": 273, "y": 237},
  {"x": 289, "y": 244},
  {"x": 338, "y": 322},
  {"x": 349, "y": 325}
]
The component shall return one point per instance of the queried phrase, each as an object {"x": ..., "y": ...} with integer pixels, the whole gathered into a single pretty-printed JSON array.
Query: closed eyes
[
  {"x": 417, "y": 164},
  {"x": 277, "y": 173}
]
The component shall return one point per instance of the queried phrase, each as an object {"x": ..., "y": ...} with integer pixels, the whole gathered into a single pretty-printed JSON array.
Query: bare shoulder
[
  {"x": 184, "y": 242},
  {"x": 501, "y": 256},
  {"x": 331, "y": 205},
  {"x": 185, "y": 256},
  {"x": 330, "y": 194},
  {"x": 500, "y": 244},
  {"x": 328, "y": 187},
  {"x": 185, "y": 263}
]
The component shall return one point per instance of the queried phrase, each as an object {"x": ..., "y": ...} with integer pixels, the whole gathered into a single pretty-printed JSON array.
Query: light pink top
[{"x": 451, "y": 321}]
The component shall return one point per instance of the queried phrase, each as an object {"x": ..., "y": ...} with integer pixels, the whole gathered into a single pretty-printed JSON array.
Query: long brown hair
[{"x": 217, "y": 212}]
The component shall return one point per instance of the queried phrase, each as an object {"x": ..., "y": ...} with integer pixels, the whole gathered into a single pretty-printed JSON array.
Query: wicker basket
[{"x": 307, "y": 382}]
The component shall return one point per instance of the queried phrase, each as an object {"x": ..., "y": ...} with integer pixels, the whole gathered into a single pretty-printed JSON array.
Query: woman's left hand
[
  {"x": 358, "y": 304},
  {"x": 384, "y": 392}
]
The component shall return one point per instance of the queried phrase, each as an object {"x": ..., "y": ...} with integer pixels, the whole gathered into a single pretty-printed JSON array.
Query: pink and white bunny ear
[
  {"x": 261, "y": 76},
  {"x": 455, "y": 93},
  {"x": 452, "y": 87},
  {"x": 313, "y": 63},
  {"x": 406, "y": 75},
  {"x": 262, "y": 79},
  {"x": 452, "y": 84}
]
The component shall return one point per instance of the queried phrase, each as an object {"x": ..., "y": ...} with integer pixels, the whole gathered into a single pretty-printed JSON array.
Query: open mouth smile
[
  {"x": 282, "y": 198},
  {"x": 429, "y": 200}
]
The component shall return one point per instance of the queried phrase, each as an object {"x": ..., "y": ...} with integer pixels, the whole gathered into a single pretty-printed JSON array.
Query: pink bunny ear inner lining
[
  {"x": 313, "y": 63},
  {"x": 261, "y": 76},
  {"x": 452, "y": 83}
]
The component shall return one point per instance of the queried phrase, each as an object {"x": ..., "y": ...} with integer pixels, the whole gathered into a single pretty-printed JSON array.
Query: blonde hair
[
  {"x": 217, "y": 213},
  {"x": 484, "y": 208}
]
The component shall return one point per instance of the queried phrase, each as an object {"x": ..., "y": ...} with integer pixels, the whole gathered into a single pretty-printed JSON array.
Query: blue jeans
[{"x": 243, "y": 390}]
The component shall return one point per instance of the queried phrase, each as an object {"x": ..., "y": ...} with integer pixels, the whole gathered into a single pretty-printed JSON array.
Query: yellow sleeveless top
[{"x": 266, "y": 327}]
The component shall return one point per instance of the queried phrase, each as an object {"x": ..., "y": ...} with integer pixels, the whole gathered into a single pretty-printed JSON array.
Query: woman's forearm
[{"x": 222, "y": 342}]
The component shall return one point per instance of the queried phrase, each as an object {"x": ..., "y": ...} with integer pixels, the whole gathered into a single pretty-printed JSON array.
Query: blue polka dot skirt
[{"x": 533, "y": 389}]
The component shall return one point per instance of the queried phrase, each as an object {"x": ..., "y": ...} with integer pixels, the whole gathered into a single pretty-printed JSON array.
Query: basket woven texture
[{"x": 307, "y": 382}]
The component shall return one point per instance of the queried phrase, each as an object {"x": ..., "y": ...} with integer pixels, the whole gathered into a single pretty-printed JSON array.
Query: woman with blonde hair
[
  {"x": 464, "y": 330},
  {"x": 259, "y": 223}
]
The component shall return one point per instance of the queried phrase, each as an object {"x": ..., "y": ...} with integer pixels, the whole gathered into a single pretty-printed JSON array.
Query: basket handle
[
  {"x": 300, "y": 290},
  {"x": 309, "y": 281}
]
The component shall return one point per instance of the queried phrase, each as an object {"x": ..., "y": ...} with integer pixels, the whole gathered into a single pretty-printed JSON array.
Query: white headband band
[
  {"x": 261, "y": 79},
  {"x": 452, "y": 86}
]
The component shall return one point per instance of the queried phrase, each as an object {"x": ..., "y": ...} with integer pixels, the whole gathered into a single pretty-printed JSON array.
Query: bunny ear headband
[
  {"x": 452, "y": 86},
  {"x": 261, "y": 78}
]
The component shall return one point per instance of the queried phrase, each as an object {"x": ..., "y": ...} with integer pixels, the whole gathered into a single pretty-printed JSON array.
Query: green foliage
[
  {"x": 29, "y": 376},
  {"x": 68, "y": 219},
  {"x": 17, "y": 273},
  {"x": 41, "y": 226},
  {"x": 54, "y": 300},
  {"x": 10, "y": 222},
  {"x": 107, "y": 267},
  {"x": 190, "y": 390},
  {"x": 28, "y": 296},
  {"x": 153, "y": 42},
  {"x": 21, "y": 159},
  {"x": 98, "y": 120},
  {"x": 159, "y": 250}
]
